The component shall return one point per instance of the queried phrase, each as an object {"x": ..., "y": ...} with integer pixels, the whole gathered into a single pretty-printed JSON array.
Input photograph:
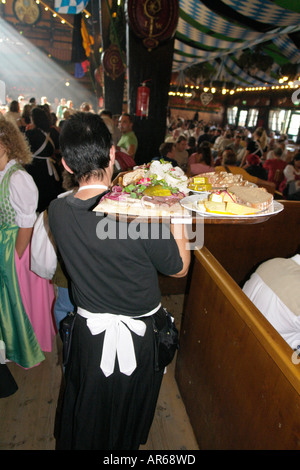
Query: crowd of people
[
  {"x": 200, "y": 148},
  {"x": 60, "y": 161}
]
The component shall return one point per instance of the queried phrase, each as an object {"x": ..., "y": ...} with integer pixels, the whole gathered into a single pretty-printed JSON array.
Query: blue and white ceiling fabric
[{"x": 217, "y": 33}]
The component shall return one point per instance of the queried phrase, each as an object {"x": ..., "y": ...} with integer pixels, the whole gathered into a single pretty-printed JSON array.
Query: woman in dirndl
[{"x": 26, "y": 300}]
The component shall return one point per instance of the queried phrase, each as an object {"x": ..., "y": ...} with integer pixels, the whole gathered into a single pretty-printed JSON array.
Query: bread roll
[
  {"x": 133, "y": 176},
  {"x": 258, "y": 198}
]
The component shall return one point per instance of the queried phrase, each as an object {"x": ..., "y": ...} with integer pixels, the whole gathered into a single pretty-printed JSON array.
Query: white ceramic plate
[
  {"x": 219, "y": 189},
  {"x": 190, "y": 203}
]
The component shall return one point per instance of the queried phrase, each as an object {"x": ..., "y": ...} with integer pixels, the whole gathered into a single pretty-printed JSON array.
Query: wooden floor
[{"x": 27, "y": 418}]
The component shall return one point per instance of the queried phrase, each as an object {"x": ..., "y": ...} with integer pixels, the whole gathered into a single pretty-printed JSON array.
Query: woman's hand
[{"x": 23, "y": 238}]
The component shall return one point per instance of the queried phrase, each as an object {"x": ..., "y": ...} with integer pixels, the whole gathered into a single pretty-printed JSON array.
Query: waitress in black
[{"x": 112, "y": 383}]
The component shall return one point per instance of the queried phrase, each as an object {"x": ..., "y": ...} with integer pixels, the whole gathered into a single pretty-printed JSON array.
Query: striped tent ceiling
[{"x": 244, "y": 42}]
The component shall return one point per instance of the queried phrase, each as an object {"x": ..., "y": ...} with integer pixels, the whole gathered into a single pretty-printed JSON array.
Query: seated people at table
[
  {"x": 205, "y": 137},
  {"x": 271, "y": 141},
  {"x": 256, "y": 145},
  {"x": 191, "y": 145},
  {"x": 167, "y": 152},
  {"x": 274, "y": 166},
  {"x": 280, "y": 143},
  {"x": 226, "y": 142},
  {"x": 201, "y": 161},
  {"x": 274, "y": 290},
  {"x": 112, "y": 384},
  {"x": 217, "y": 143},
  {"x": 181, "y": 154},
  {"x": 128, "y": 142},
  {"x": 237, "y": 147},
  {"x": 215, "y": 135},
  {"x": 254, "y": 167},
  {"x": 291, "y": 184},
  {"x": 228, "y": 158}
]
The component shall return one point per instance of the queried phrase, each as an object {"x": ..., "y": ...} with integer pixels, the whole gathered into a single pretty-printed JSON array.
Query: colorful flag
[
  {"x": 71, "y": 7},
  {"x": 81, "y": 46}
]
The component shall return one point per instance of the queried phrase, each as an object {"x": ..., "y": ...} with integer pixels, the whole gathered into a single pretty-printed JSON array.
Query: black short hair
[
  {"x": 105, "y": 112},
  {"x": 85, "y": 143}
]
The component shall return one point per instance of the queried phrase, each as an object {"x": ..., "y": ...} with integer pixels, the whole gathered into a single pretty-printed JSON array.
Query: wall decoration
[
  {"x": 27, "y": 11},
  {"x": 206, "y": 98},
  {"x": 112, "y": 62},
  {"x": 153, "y": 20},
  {"x": 188, "y": 99}
]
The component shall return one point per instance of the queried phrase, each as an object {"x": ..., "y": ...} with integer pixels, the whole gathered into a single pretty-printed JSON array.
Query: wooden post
[
  {"x": 150, "y": 47},
  {"x": 113, "y": 87},
  {"x": 155, "y": 66}
]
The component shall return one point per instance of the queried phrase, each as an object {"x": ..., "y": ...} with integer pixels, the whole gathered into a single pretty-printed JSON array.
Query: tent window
[
  {"x": 243, "y": 118},
  {"x": 231, "y": 115},
  {"x": 252, "y": 117},
  {"x": 278, "y": 119},
  {"x": 294, "y": 126}
]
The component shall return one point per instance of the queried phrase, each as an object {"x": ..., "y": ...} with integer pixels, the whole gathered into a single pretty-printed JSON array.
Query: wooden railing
[{"x": 239, "y": 380}]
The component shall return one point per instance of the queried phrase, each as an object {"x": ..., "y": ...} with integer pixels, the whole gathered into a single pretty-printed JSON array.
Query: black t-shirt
[
  {"x": 116, "y": 273},
  {"x": 258, "y": 171},
  {"x": 255, "y": 148}
]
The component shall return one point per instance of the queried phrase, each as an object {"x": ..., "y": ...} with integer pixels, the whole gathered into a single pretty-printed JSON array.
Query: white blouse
[
  {"x": 290, "y": 173},
  {"x": 23, "y": 196},
  {"x": 283, "y": 310}
]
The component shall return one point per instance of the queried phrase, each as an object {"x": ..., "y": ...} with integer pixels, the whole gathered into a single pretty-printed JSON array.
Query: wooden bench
[{"x": 239, "y": 380}]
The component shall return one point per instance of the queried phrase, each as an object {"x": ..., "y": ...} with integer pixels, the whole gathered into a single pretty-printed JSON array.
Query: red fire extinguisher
[{"x": 142, "y": 101}]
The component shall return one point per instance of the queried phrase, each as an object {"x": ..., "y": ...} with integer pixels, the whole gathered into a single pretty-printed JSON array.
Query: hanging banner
[
  {"x": 264, "y": 11},
  {"x": 70, "y": 7},
  {"x": 112, "y": 62},
  {"x": 153, "y": 21}
]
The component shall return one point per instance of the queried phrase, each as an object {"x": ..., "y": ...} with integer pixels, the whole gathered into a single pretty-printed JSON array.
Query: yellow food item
[
  {"x": 199, "y": 180},
  {"x": 240, "y": 209},
  {"x": 216, "y": 207},
  {"x": 222, "y": 196},
  {"x": 216, "y": 197},
  {"x": 228, "y": 208},
  {"x": 157, "y": 190},
  {"x": 200, "y": 187}
]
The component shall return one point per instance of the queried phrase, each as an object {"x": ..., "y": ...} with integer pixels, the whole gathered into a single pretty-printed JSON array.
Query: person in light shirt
[
  {"x": 128, "y": 142},
  {"x": 181, "y": 154},
  {"x": 274, "y": 289}
]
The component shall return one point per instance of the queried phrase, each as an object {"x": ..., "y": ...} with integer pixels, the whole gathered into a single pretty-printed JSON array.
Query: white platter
[{"x": 190, "y": 203}]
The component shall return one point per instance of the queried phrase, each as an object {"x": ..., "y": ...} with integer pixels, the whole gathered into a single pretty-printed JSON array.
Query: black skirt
[
  {"x": 108, "y": 413},
  {"x": 8, "y": 384}
]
